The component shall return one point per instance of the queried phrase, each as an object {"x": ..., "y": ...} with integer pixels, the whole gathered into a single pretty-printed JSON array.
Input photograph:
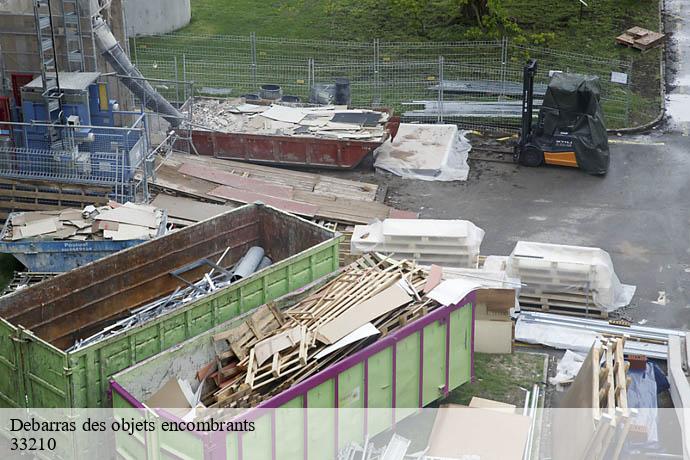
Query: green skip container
[{"x": 39, "y": 323}]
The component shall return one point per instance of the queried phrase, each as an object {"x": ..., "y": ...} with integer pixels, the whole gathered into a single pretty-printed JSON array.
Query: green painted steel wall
[
  {"x": 399, "y": 378},
  {"x": 50, "y": 377}
]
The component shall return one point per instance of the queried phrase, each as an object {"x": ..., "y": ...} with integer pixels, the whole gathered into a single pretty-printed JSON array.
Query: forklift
[{"x": 570, "y": 128}]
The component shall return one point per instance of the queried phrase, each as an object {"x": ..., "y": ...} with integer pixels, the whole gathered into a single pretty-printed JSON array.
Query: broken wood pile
[
  {"x": 232, "y": 183},
  {"x": 640, "y": 38},
  {"x": 600, "y": 392},
  {"x": 274, "y": 349},
  {"x": 111, "y": 222}
]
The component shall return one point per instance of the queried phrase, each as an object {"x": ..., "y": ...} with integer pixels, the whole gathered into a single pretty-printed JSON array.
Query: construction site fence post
[
  {"x": 252, "y": 44},
  {"x": 440, "y": 89},
  {"x": 378, "y": 96},
  {"x": 504, "y": 63}
]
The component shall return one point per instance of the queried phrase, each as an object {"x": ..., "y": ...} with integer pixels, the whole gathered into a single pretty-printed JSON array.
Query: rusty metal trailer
[
  {"x": 286, "y": 150},
  {"x": 38, "y": 323},
  {"x": 372, "y": 389}
]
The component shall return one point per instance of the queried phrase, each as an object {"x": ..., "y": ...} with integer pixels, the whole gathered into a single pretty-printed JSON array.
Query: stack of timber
[
  {"x": 640, "y": 38},
  {"x": 568, "y": 280},
  {"x": 453, "y": 243},
  {"x": 598, "y": 418},
  {"x": 273, "y": 350},
  {"x": 21, "y": 195},
  {"x": 233, "y": 183}
]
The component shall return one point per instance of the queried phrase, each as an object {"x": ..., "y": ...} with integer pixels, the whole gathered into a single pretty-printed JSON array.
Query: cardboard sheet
[
  {"x": 284, "y": 114},
  {"x": 487, "y": 433},
  {"x": 130, "y": 216},
  {"x": 360, "y": 314},
  {"x": 490, "y": 404},
  {"x": 493, "y": 336}
]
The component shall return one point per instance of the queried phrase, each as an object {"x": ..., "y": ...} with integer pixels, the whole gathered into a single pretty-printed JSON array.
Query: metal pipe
[
  {"x": 249, "y": 263},
  {"x": 265, "y": 262},
  {"x": 133, "y": 79}
]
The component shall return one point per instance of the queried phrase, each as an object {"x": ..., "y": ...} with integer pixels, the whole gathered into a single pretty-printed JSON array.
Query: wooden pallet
[
  {"x": 18, "y": 195},
  {"x": 600, "y": 387},
  {"x": 640, "y": 38},
  {"x": 563, "y": 308},
  {"x": 263, "y": 355}
]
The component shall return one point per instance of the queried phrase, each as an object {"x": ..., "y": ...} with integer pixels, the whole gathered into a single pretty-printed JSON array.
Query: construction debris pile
[
  {"x": 215, "y": 279},
  {"x": 112, "y": 222},
  {"x": 230, "y": 183},
  {"x": 336, "y": 122},
  {"x": 273, "y": 350}
]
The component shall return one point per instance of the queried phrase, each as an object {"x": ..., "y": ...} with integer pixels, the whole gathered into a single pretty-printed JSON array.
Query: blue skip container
[{"x": 56, "y": 256}]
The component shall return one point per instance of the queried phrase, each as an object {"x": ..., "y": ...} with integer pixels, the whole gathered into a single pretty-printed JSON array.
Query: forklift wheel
[{"x": 532, "y": 157}]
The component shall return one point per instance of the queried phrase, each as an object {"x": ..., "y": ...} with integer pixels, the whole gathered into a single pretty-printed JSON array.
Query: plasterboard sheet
[
  {"x": 481, "y": 403},
  {"x": 450, "y": 292},
  {"x": 40, "y": 227},
  {"x": 284, "y": 114},
  {"x": 126, "y": 232}
]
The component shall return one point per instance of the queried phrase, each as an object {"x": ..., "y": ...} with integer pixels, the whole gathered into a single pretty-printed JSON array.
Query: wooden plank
[
  {"x": 188, "y": 209},
  {"x": 244, "y": 196},
  {"x": 275, "y": 344},
  {"x": 236, "y": 181},
  {"x": 298, "y": 180}
]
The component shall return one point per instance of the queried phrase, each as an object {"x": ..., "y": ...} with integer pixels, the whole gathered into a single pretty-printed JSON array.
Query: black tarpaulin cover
[{"x": 572, "y": 104}]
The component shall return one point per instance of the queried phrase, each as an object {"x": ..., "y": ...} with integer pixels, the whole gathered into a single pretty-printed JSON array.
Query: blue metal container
[{"x": 54, "y": 256}]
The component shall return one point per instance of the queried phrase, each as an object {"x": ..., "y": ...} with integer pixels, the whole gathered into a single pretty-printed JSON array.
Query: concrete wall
[{"x": 153, "y": 17}]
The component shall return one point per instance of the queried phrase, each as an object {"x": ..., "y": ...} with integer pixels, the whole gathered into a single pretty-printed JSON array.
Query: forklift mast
[{"x": 528, "y": 73}]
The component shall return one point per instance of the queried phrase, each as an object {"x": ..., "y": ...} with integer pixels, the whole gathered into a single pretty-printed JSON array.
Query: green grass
[
  {"x": 554, "y": 24},
  {"x": 501, "y": 378}
]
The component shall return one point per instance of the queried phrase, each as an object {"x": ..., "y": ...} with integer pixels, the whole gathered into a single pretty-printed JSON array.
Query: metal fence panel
[{"x": 475, "y": 84}]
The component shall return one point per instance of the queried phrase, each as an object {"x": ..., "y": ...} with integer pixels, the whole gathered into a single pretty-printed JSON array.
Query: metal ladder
[
  {"x": 47, "y": 55},
  {"x": 73, "y": 39}
]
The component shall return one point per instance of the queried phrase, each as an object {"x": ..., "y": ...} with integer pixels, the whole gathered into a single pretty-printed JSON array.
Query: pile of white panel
[
  {"x": 571, "y": 279},
  {"x": 452, "y": 243}
]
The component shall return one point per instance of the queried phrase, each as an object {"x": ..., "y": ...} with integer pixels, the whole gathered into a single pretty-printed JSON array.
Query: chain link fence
[{"x": 477, "y": 84}]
